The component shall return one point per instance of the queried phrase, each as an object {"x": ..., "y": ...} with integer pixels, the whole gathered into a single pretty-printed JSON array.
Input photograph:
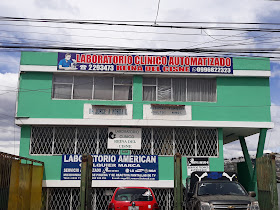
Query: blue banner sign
[
  {"x": 144, "y": 63},
  {"x": 112, "y": 167}
]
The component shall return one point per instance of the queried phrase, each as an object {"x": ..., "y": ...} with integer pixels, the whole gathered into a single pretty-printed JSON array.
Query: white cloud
[
  {"x": 11, "y": 147},
  {"x": 8, "y": 130}
]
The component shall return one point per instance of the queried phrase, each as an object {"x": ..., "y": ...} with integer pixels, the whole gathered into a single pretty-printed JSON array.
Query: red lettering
[
  {"x": 187, "y": 61},
  {"x": 199, "y": 62},
  {"x": 158, "y": 60},
  {"x": 217, "y": 63},
  {"x": 83, "y": 58},
  {"x": 105, "y": 59},
  {"x": 116, "y": 59},
  {"x": 211, "y": 61},
  {"x": 121, "y": 59},
  {"x": 228, "y": 62},
  {"x": 165, "y": 68},
  {"x": 149, "y": 60},
  {"x": 193, "y": 61},
  {"x": 177, "y": 60},
  {"x": 139, "y": 68},
  {"x": 204, "y": 61},
  {"x": 99, "y": 58},
  {"x": 130, "y": 59},
  {"x": 136, "y": 59},
  {"x": 182, "y": 60},
  {"x": 78, "y": 58},
  {"x": 171, "y": 61},
  {"x": 164, "y": 60},
  {"x": 109, "y": 58},
  {"x": 222, "y": 62},
  {"x": 94, "y": 59},
  {"x": 88, "y": 58}
]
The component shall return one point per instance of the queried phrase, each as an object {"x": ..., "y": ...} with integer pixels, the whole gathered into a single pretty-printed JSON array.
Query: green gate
[{"x": 267, "y": 185}]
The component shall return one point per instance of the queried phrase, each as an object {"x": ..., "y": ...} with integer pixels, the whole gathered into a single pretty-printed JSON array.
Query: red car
[{"x": 133, "y": 198}]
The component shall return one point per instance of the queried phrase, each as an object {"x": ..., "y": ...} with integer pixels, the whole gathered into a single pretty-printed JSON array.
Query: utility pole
[
  {"x": 178, "y": 188},
  {"x": 86, "y": 180}
]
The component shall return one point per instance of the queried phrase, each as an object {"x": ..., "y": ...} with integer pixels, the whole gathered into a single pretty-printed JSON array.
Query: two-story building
[{"x": 147, "y": 107}]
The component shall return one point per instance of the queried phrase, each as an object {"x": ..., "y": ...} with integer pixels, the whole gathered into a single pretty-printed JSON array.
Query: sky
[{"x": 41, "y": 34}]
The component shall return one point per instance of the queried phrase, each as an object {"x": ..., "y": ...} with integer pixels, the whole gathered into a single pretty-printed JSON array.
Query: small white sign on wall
[
  {"x": 124, "y": 138},
  {"x": 107, "y": 112},
  {"x": 166, "y": 112},
  {"x": 197, "y": 164}
]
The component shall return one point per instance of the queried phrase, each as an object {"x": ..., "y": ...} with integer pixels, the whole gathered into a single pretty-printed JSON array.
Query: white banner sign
[
  {"x": 108, "y": 112},
  {"x": 165, "y": 112},
  {"x": 197, "y": 164},
  {"x": 124, "y": 138}
]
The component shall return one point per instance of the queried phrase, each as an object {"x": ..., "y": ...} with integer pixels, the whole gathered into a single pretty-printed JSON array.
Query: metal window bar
[{"x": 190, "y": 142}]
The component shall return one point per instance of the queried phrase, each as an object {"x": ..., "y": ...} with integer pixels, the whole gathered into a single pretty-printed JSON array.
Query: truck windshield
[
  {"x": 220, "y": 188},
  {"x": 133, "y": 194}
]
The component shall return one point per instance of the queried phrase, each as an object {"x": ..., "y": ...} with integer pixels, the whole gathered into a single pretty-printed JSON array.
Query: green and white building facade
[{"x": 190, "y": 108}]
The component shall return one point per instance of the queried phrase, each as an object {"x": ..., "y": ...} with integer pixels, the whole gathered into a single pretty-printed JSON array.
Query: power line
[
  {"x": 144, "y": 21},
  {"x": 126, "y": 23},
  {"x": 157, "y": 12},
  {"x": 98, "y": 37}
]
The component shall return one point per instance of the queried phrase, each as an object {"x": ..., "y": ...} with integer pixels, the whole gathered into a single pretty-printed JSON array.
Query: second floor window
[
  {"x": 89, "y": 87},
  {"x": 179, "y": 89}
]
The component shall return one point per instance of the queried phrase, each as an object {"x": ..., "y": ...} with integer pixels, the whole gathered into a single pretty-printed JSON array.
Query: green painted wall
[
  {"x": 247, "y": 63},
  {"x": 52, "y": 163},
  {"x": 217, "y": 164},
  {"x": 238, "y": 99}
]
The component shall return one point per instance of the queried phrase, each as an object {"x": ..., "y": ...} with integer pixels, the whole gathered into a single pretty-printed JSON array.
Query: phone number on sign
[
  {"x": 212, "y": 70},
  {"x": 91, "y": 67}
]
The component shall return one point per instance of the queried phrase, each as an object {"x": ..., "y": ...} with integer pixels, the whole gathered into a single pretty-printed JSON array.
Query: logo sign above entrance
[
  {"x": 144, "y": 63},
  {"x": 124, "y": 138}
]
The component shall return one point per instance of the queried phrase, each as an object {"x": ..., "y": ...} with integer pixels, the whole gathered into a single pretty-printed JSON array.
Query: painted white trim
[
  {"x": 250, "y": 73},
  {"x": 111, "y": 183},
  {"x": 237, "y": 73},
  {"x": 38, "y": 68},
  {"x": 163, "y": 123}
]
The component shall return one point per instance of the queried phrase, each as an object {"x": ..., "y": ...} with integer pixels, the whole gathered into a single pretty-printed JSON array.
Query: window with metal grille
[
  {"x": 69, "y": 198},
  {"x": 69, "y": 140},
  {"x": 190, "y": 142},
  {"x": 89, "y": 87},
  {"x": 179, "y": 89}
]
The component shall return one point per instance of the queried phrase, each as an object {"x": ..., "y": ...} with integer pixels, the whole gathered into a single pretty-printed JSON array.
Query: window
[
  {"x": 201, "y": 89},
  {"x": 179, "y": 89},
  {"x": 103, "y": 88},
  {"x": 89, "y": 87},
  {"x": 62, "y": 87},
  {"x": 83, "y": 87},
  {"x": 190, "y": 142}
]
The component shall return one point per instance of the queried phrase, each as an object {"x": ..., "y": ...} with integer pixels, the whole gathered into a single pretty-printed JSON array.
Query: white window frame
[{"x": 92, "y": 94}]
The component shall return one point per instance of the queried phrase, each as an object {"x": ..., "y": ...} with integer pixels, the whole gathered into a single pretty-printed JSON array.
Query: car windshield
[
  {"x": 221, "y": 188},
  {"x": 133, "y": 194}
]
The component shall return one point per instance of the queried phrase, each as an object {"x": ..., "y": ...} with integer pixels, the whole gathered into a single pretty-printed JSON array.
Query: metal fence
[
  {"x": 68, "y": 198},
  {"x": 267, "y": 184},
  {"x": 190, "y": 142},
  {"x": 19, "y": 178}
]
